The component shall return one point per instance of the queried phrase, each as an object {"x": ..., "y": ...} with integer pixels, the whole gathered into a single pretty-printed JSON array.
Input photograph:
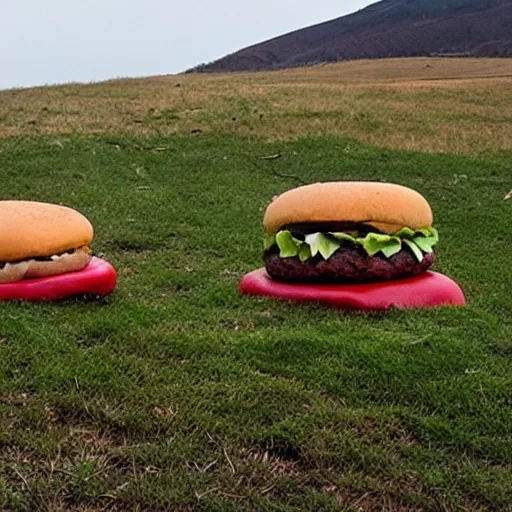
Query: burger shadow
[
  {"x": 321, "y": 308},
  {"x": 83, "y": 299}
]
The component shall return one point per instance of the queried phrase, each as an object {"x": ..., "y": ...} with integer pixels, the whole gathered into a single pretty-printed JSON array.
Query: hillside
[
  {"x": 390, "y": 28},
  {"x": 445, "y": 105}
]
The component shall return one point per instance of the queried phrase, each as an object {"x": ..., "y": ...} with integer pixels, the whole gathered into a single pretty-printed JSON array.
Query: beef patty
[{"x": 349, "y": 264}]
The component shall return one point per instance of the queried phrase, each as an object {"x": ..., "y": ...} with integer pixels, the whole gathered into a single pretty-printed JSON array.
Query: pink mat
[{"x": 426, "y": 290}]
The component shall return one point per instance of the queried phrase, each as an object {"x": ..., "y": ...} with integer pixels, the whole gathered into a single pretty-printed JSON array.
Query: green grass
[{"x": 175, "y": 393}]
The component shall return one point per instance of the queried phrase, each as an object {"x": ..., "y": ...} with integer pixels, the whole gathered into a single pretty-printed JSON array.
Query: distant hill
[{"x": 390, "y": 28}]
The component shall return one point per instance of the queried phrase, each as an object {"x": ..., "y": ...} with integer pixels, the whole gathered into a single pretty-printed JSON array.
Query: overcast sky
[{"x": 57, "y": 41}]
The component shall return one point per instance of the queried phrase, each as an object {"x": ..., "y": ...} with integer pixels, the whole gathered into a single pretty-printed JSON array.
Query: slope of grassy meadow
[
  {"x": 457, "y": 106},
  {"x": 175, "y": 393}
]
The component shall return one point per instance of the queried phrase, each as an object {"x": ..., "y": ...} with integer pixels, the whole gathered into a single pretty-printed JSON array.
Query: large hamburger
[
  {"x": 40, "y": 240},
  {"x": 348, "y": 232}
]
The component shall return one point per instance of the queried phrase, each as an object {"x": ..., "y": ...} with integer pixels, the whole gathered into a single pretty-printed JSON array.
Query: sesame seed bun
[
  {"x": 30, "y": 229},
  {"x": 384, "y": 206}
]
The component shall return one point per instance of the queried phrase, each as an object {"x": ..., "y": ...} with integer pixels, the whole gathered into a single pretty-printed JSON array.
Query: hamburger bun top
[
  {"x": 31, "y": 229},
  {"x": 384, "y": 206}
]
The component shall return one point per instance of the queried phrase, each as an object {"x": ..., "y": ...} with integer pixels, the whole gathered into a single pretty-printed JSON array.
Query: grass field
[
  {"x": 456, "y": 106},
  {"x": 175, "y": 393}
]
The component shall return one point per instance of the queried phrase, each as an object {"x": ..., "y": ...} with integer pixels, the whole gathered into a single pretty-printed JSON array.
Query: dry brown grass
[{"x": 428, "y": 104}]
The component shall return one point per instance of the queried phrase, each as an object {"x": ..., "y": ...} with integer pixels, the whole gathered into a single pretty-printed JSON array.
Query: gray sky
[{"x": 58, "y": 41}]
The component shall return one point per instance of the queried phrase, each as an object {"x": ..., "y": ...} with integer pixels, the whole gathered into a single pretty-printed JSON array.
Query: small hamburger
[
  {"x": 39, "y": 240},
  {"x": 348, "y": 232}
]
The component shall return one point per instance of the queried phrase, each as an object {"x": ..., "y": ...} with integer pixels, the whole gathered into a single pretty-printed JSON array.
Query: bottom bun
[{"x": 59, "y": 264}]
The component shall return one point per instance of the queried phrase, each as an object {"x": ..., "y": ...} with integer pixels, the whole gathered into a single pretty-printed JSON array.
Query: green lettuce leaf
[
  {"x": 415, "y": 249},
  {"x": 288, "y": 245},
  {"x": 268, "y": 242},
  {"x": 425, "y": 243},
  {"x": 344, "y": 236},
  {"x": 420, "y": 241},
  {"x": 320, "y": 243},
  {"x": 392, "y": 249},
  {"x": 426, "y": 238},
  {"x": 304, "y": 252},
  {"x": 376, "y": 242},
  {"x": 429, "y": 232},
  {"x": 405, "y": 232}
]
